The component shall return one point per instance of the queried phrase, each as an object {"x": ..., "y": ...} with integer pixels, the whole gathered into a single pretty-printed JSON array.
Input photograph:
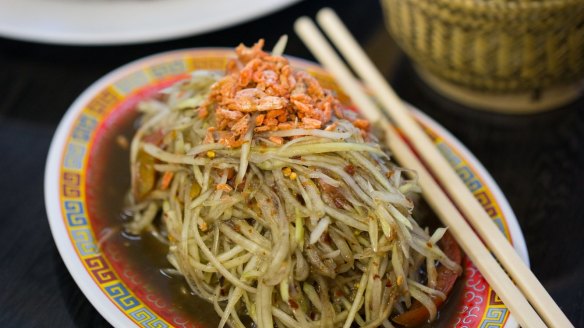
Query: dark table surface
[{"x": 537, "y": 160}]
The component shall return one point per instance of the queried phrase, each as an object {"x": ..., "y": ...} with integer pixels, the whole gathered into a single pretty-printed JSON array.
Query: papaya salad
[{"x": 278, "y": 203}]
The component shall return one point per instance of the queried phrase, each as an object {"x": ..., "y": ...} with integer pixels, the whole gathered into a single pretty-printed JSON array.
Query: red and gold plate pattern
[{"x": 120, "y": 290}]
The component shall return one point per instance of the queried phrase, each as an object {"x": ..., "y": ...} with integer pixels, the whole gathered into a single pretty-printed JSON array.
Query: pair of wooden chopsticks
[{"x": 515, "y": 299}]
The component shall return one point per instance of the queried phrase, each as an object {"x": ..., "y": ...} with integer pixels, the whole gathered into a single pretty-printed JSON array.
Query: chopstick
[
  {"x": 470, "y": 243},
  {"x": 471, "y": 208},
  {"x": 461, "y": 231}
]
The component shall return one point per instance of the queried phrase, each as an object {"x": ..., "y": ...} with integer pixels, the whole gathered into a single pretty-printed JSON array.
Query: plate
[
  {"x": 98, "y": 22},
  {"x": 83, "y": 203}
]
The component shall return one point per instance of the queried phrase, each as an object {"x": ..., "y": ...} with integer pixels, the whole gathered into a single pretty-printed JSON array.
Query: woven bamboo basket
[{"x": 492, "y": 46}]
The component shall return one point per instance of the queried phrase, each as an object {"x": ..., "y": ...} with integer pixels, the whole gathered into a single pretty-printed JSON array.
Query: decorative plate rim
[{"x": 60, "y": 232}]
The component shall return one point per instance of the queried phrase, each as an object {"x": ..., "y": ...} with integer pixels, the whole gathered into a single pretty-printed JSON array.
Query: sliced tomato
[
  {"x": 418, "y": 314},
  {"x": 144, "y": 176}
]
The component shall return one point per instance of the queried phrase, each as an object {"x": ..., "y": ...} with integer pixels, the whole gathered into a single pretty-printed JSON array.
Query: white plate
[
  {"x": 93, "y": 22},
  {"x": 112, "y": 287}
]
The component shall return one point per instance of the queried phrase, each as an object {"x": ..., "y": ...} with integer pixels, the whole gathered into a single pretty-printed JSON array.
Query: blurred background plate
[{"x": 100, "y": 22}]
